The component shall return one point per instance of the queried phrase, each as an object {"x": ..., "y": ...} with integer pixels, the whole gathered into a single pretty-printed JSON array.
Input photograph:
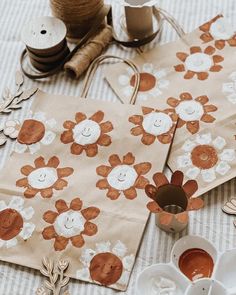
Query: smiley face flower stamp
[
  {"x": 154, "y": 125},
  {"x": 87, "y": 134},
  {"x": 15, "y": 224},
  {"x": 199, "y": 62},
  {"x": 70, "y": 223},
  {"x": 191, "y": 111},
  {"x": 43, "y": 178},
  {"x": 123, "y": 176}
]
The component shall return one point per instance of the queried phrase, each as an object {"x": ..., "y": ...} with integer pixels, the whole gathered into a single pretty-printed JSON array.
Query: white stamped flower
[
  {"x": 229, "y": 88},
  {"x": 206, "y": 156},
  {"x": 152, "y": 83},
  {"x": 14, "y": 222},
  {"x": 106, "y": 265},
  {"x": 36, "y": 130}
]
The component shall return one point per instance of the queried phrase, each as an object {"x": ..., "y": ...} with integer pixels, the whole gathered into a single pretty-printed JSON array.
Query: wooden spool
[{"x": 45, "y": 40}]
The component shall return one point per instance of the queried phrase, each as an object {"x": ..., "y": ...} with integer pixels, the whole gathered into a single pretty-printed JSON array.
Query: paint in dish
[{"x": 196, "y": 264}]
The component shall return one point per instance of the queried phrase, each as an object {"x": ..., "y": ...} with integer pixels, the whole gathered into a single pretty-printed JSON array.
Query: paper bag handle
[{"x": 95, "y": 64}]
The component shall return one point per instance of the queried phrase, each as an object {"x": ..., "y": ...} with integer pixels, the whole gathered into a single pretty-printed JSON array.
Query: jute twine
[
  {"x": 76, "y": 14},
  {"x": 80, "y": 62}
]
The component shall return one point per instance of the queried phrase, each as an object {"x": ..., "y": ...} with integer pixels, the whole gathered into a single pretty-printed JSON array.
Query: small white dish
[
  {"x": 149, "y": 276},
  {"x": 222, "y": 281}
]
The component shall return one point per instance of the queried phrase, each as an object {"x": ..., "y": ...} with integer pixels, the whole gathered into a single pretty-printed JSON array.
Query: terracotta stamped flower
[
  {"x": 154, "y": 124},
  {"x": 206, "y": 156},
  {"x": 153, "y": 82},
  {"x": 192, "y": 110},
  {"x": 199, "y": 62},
  {"x": 220, "y": 30},
  {"x": 167, "y": 194},
  {"x": 70, "y": 223},
  {"x": 123, "y": 176},
  {"x": 14, "y": 222},
  {"x": 43, "y": 178},
  {"x": 106, "y": 265},
  {"x": 86, "y": 134},
  {"x": 35, "y": 131}
]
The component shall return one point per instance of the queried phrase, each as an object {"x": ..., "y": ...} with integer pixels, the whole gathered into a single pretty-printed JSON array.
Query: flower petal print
[
  {"x": 106, "y": 265},
  {"x": 199, "y": 62},
  {"x": 206, "y": 156},
  {"x": 220, "y": 30},
  {"x": 123, "y": 176},
  {"x": 229, "y": 88},
  {"x": 35, "y": 131},
  {"x": 192, "y": 110},
  {"x": 153, "y": 82},
  {"x": 154, "y": 124},
  {"x": 86, "y": 134},
  {"x": 69, "y": 224},
  {"x": 187, "y": 190},
  {"x": 44, "y": 178},
  {"x": 14, "y": 222}
]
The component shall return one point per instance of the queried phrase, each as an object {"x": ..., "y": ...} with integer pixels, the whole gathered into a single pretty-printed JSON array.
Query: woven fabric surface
[{"x": 210, "y": 222}]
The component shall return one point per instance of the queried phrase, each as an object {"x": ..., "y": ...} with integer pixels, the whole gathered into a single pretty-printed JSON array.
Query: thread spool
[
  {"x": 83, "y": 57},
  {"x": 45, "y": 40},
  {"x": 76, "y": 14}
]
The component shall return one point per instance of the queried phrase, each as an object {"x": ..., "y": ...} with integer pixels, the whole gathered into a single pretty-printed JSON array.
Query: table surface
[{"x": 209, "y": 222}]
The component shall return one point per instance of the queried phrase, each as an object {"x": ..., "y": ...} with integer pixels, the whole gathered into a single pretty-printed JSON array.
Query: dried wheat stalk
[
  {"x": 11, "y": 101},
  {"x": 56, "y": 277}
]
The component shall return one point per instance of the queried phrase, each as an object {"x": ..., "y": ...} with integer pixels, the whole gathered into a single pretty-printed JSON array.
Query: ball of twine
[{"x": 76, "y": 14}]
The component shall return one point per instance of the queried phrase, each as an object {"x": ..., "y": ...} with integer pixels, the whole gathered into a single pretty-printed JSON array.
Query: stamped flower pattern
[
  {"x": 206, "y": 157},
  {"x": 123, "y": 176},
  {"x": 86, "y": 134},
  {"x": 152, "y": 82},
  {"x": 107, "y": 265},
  {"x": 220, "y": 30},
  {"x": 44, "y": 178},
  {"x": 15, "y": 225},
  {"x": 35, "y": 131},
  {"x": 199, "y": 62},
  {"x": 229, "y": 88},
  {"x": 70, "y": 224},
  {"x": 154, "y": 124},
  {"x": 192, "y": 110}
]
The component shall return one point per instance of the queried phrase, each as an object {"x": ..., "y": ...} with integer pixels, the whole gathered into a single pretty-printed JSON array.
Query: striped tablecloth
[{"x": 210, "y": 222}]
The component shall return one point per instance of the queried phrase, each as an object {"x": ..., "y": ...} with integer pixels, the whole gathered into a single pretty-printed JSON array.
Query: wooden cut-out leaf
[
  {"x": 44, "y": 272},
  {"x": 28, "y": 93},
  {"x": 65, "y": 281},
  {"x": 48, "y": 285},
  {"x": 19, "y": 79},
  {"x": 55, "y": 277},
  {"x": 41, "y": 291}
]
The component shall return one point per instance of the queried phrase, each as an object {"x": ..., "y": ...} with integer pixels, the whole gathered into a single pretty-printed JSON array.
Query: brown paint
[
  {"x": 204, "y": 156},
  {"x": 11, "y": 224},
  {"x": 196, "y": 263},
  {"x": 106, "y": 268},
  {"x": 147, "y": 82},
  {"x": 32, "y": 131}
]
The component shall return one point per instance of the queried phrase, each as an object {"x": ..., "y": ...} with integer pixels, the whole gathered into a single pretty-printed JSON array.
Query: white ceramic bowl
[{"x": 147, "y": 277}]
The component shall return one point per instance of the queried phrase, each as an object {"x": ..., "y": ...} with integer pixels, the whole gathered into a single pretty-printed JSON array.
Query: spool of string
[
  {"x": 76, "y": 14},
  {"x": 82, "y": 59}
]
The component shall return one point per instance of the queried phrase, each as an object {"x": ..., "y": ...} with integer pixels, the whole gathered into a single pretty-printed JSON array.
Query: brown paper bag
[
  {"x": 194, "y": 77},
  {"x": 209, "y": 156},
  {"x": 74, "y": 186}
]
